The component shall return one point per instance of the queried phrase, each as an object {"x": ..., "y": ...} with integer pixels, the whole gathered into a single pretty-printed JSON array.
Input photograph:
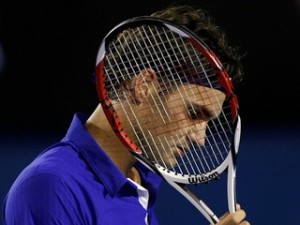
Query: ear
[{"x": 146, "y": 82}]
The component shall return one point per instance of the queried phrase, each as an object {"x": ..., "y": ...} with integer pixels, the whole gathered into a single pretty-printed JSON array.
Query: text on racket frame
[{"x": 203, "y": 178}]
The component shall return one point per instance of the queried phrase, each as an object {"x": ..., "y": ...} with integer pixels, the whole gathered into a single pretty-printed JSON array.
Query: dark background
[{"x": 50, "y": 49}]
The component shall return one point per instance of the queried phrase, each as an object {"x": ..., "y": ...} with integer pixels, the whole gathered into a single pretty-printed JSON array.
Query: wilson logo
[{"x": 203, "y": 178}]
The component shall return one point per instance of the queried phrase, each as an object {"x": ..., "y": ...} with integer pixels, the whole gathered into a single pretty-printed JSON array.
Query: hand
[{"x": 236, "y": 218}]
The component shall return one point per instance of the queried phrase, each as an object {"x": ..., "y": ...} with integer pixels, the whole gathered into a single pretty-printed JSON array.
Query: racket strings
[
  {"x": 154, "y": 50},
  {"x": 176, "y": 62},
  {"x": 131, "y": 116},
  {"x": 195, "y": 70},
  {"x": 199, "y": 159},
  {"x": 208, "y": 128},
  {"x": 145, "y": 51}
]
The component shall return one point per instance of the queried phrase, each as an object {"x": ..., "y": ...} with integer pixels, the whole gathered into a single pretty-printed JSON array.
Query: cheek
[{"x": 177, "y": 120}]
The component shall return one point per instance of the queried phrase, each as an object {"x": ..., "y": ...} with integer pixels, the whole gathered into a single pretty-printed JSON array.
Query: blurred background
[{"x": 47, "y": 57}]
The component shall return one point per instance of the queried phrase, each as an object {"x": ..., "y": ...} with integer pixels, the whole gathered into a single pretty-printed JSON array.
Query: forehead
[
  {"x": 187, "y": 94},
  {"x": 194, "y": 91}
]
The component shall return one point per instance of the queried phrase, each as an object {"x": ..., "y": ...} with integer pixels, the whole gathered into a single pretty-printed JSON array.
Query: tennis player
[{"x": 89, "y": 177}]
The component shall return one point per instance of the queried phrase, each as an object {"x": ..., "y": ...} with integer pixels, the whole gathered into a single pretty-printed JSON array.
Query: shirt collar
[{"x": 103, "y": 167}]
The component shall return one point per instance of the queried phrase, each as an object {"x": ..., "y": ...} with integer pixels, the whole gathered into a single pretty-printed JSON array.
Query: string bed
[{"x": 176, "y": 62}]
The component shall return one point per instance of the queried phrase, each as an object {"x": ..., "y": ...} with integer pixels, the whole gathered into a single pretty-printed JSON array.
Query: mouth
[{"x": 181, "y": 150}]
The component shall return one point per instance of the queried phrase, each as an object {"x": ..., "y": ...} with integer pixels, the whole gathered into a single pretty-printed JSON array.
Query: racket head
[{"x": 184, "y": 125}]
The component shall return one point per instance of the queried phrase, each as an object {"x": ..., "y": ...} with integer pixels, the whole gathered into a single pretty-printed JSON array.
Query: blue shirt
[{"x": 75, "y": 182}]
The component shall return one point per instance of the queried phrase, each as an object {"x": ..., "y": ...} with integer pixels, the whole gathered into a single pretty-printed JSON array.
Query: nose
[{"x": 197, "y": 133}]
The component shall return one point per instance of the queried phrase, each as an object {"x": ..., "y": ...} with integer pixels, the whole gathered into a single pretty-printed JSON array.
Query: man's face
[{"x": 166, "y": 124}]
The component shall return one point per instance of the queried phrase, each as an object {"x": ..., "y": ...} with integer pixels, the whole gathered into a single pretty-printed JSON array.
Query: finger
[
  {"x": 237, "y": 206},
  {"x": 234, "y": 218},
  {"x": 244, "y": 223},
  {"x": 238, "y": 216},
  {"x": 224, "y": 215}
]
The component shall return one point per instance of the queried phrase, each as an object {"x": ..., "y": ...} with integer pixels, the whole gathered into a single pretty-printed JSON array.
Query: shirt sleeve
[{"x": 42, "y": 199}]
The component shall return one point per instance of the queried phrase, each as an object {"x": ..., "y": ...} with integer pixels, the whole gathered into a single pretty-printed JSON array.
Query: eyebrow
[{"x": 197, "y": 111}]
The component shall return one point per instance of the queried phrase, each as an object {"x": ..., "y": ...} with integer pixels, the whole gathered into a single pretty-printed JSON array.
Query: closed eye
[{"x": 198, "y": 112}]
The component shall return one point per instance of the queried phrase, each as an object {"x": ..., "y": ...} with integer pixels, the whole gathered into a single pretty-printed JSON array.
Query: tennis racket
[{"x": 171, "y": 103}]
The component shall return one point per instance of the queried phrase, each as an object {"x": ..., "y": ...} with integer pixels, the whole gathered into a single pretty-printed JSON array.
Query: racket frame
[{"x": 177, "y": 182}]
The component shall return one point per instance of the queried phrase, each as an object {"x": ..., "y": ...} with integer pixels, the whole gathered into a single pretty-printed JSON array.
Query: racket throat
[
  {"x": 231, "y": 188},
  {"x": 198, "y": 203}
]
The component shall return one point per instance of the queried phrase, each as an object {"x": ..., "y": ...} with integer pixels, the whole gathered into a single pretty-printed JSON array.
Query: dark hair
[{"x": 202, "y": 24}]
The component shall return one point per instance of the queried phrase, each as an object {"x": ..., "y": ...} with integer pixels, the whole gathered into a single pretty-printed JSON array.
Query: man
[{"x": 91, "y": 178}]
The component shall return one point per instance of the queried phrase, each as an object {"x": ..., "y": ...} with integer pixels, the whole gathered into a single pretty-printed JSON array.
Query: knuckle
[{"x": 238, "y": 216}]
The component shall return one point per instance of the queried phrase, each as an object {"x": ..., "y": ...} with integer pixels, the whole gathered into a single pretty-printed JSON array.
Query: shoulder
[
  {"x": 52, "y": 187},
  {"x": 57, "y": 171},
  {"x": 47, "y": 174},
  {"x": 59, "y": 168},
  {"x": 54, "y": 163},
  {"x": 35, "y": 198}
]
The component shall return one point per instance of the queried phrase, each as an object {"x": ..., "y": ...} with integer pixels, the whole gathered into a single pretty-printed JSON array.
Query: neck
[{"x": 100, "y": 129}]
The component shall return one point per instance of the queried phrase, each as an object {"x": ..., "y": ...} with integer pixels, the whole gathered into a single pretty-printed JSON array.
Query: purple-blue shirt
[{"x": 75, "y": 182}]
